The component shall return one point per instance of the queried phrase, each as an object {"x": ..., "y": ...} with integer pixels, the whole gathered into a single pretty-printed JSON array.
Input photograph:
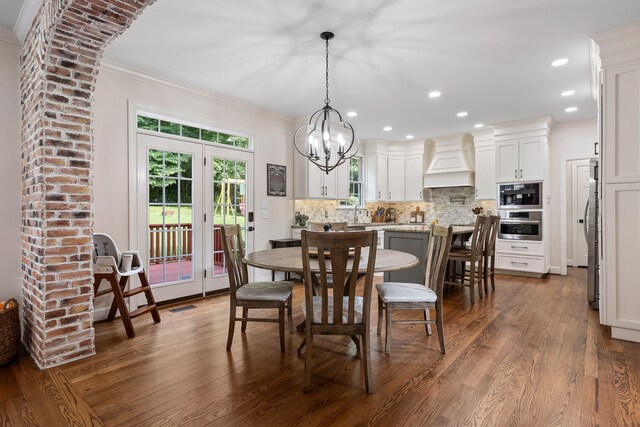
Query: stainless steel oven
[
  {"x": 520, "y": 225},
  {"x": 520, "y": 196}
]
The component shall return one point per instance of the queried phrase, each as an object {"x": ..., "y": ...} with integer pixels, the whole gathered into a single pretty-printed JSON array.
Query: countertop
[
  {"x": 457, "y": 229},
  {"x": 370, "y": 224}
]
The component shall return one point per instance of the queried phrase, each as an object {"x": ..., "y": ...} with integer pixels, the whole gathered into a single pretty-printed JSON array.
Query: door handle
[
  {"x": 520, "y": 173},
  {"x": 250, "y": 228},
  {"x": 585, "y": 225}
]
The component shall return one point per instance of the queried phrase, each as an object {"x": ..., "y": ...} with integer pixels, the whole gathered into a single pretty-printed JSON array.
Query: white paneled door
[{"x": 580, "y": 196}]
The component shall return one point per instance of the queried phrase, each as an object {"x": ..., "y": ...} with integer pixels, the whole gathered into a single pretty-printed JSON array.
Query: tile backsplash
[{"x": 450, "y": 205}]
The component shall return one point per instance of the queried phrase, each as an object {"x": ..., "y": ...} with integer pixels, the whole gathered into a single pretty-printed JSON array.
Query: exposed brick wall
[{"x": 60, "y": 59}]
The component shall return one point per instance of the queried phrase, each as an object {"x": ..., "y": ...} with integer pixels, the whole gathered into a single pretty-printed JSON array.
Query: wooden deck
[{"x": 532, "y": 353}]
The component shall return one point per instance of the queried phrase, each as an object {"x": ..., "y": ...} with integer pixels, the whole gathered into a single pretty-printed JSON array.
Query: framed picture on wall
[{"x": 276, "y": 180}]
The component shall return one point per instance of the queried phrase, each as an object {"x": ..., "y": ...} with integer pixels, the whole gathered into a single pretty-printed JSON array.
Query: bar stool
[
  {"x": 490, "y": 251},
  {"x": 473, "y": 256}
]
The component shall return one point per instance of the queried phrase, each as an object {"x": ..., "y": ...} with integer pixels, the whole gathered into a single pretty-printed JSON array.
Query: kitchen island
[{"x": 414, "y": 240}]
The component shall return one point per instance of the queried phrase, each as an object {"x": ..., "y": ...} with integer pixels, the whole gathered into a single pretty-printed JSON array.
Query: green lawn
[{"x": 155, "y": 216}]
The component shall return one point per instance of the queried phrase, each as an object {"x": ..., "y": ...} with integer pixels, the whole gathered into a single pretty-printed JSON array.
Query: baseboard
[
  {"x": 625, "y": 334},
  {"x": 555, "y": 270},
  {"x": 100, "y": 313},
  {"x": 519, "y": 273}
]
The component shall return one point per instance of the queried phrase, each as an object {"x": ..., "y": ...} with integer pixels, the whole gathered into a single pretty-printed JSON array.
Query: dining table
[{"x": 289, "y": 260}]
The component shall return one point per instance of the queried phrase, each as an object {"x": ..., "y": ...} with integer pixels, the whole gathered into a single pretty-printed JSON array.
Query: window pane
[
  {"x": 170, "y": 215},
  {"x": 208, "y": 135},
  {"x": 185, "y": 191},
  {"x": 241, "y": 170},
  {"x": 169, "y": 127},
  {"x": 225, "y": 139},
  {"x": 171, "y": 168},
  {"x": 170, "y": 191},
  {"x": 155, "y": 190},
  {"x": 185, "y": 165},
  {"x": 242, "y": 142},
  {"x": 190, "y": 132},
  {"x": 155, "y": 162},
  {"x": 147, "y": 123}
]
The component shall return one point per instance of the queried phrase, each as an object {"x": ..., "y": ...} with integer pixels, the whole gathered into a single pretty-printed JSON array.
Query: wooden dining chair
[
  {"x": 346, "y": 310},
  {"x": 414, "y": 296},
  {"x": 488, "y": 267},
  {"x": 459, "y": 257},
  {"x": 247, "y": 294},
  {"x": 335, "y": 226}
]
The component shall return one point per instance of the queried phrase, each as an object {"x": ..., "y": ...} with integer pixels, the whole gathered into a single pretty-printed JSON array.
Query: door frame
[
  {"x": 563, "y": 208},
  {"x": 133, "y": 109}
]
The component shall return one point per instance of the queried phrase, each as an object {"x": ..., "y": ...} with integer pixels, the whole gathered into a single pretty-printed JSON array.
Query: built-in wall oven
[
  {"x": 520, "y": 195},
  {"x": 520, "y": 225}
]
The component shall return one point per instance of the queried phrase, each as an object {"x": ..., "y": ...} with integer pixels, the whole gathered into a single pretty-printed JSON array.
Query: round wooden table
[{"x": 290, "y": 260}]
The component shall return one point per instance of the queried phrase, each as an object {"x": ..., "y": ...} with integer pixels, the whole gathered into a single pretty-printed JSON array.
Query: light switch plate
[{"x": 265, "y": 204}]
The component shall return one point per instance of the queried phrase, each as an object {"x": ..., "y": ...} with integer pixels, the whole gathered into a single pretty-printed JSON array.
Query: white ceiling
[{"x": 488, "y": 57}]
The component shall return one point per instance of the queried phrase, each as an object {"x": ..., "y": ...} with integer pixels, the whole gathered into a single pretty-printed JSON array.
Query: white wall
[
  {"x": 568, "y": 140},
  {"x": 272, "y": 136},
  {"x": 10, "y": 189}
]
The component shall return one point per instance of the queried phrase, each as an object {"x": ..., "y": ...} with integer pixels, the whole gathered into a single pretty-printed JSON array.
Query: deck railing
[{"x": 178, "y": 242}]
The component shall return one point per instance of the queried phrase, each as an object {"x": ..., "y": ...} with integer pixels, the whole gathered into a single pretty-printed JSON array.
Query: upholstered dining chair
[
  {"x": 489, "y": 266},
  {"x": 247, "y": 294},
  {"x": 472, "y": 255},
  {"x": 414, "y": 296},
  {"x": 346, "y": 310},
  {"x": 335, "y": 226}
]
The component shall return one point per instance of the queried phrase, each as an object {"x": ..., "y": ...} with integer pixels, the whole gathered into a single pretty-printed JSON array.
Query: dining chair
[
  {"x": 488, "y": 267},
  {"x": 247, "y": 294},
  {"x": 414, "y": 296},
  {"x": 346, "y": 310},
  {"x": 335, "y": 226},
  {"x": 459, "y": 257}
]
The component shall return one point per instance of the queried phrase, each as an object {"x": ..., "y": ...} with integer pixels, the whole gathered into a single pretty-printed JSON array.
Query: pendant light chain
[
  {"x": 326, "y": 131},
  {"x": 326, "y": 100}
]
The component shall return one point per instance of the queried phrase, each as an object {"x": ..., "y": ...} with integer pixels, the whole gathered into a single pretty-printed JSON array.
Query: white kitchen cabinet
[
  {"x": 485, "y": 167},
  {"x": 413, "y": 178},
  {"x": 619, "y": 52},
  {"x": 394, "y": 171},
  {"x": 521, "y": 160},
  {"x": 395, "y": 179},
  {"x": 312, "y": 183}
]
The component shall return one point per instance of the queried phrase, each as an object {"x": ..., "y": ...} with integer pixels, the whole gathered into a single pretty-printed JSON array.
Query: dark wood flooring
[{"x": 530, "y": 353}]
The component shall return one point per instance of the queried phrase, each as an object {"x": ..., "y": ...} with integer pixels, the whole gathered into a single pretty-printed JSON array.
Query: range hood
[{"x": 451, "y": 163}]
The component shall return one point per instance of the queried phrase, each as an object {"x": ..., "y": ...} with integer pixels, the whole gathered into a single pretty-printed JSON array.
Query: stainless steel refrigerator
[{"x": 592, "y": 234}]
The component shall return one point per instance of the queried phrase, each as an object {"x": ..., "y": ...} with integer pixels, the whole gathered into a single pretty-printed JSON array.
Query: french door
[
  {"x": 185, "y": 192},
  {"x": 227, "y": 201}
]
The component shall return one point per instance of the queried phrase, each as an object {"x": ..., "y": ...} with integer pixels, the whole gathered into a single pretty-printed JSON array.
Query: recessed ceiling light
[
  {"x": 409, "y": 136},
  {"x": 559, "y": 62},
  {"x": 478, "y": 125},
  {"x": 435, "y": 94},
  {"x": 568, "y": 92},
  {"x": 571, "y": 109},
  {"x": 352, "y": 114},
  {"x": 387, "y": 128},
  {"x": 462, "y": 114}
]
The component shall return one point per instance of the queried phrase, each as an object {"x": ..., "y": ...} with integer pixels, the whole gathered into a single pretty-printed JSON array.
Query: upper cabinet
[
  {"x": 312, "y": 183},
  {"x": 521, "y": 160},
  {"x": 485, "y": 162},
  {"x": 522, "y": 150},
  {"x": 394, "y": 171}
]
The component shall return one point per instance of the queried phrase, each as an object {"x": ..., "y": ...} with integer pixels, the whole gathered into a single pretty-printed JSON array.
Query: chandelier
[{"x": 327, "y": 140}]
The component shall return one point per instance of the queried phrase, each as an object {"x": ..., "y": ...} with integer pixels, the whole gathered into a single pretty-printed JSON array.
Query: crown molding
[
  {"x": 619, "y": 46},
  {"x": 121, "y": 70},
  {"x": 25, "y": 18}
]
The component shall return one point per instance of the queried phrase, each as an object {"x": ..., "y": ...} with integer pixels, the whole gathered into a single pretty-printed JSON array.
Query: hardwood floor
[{"x": 530, "y": 353}]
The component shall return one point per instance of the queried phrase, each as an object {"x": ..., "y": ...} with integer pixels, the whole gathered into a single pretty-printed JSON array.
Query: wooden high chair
[{"x": 116, "y": 267}]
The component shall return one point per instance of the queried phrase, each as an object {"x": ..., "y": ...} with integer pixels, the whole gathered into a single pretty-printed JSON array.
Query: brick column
[{"x": 60, "y": 59}]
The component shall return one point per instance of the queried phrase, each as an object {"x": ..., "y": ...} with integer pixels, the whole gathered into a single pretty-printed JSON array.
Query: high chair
[{"x": 116, "y": 267}]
